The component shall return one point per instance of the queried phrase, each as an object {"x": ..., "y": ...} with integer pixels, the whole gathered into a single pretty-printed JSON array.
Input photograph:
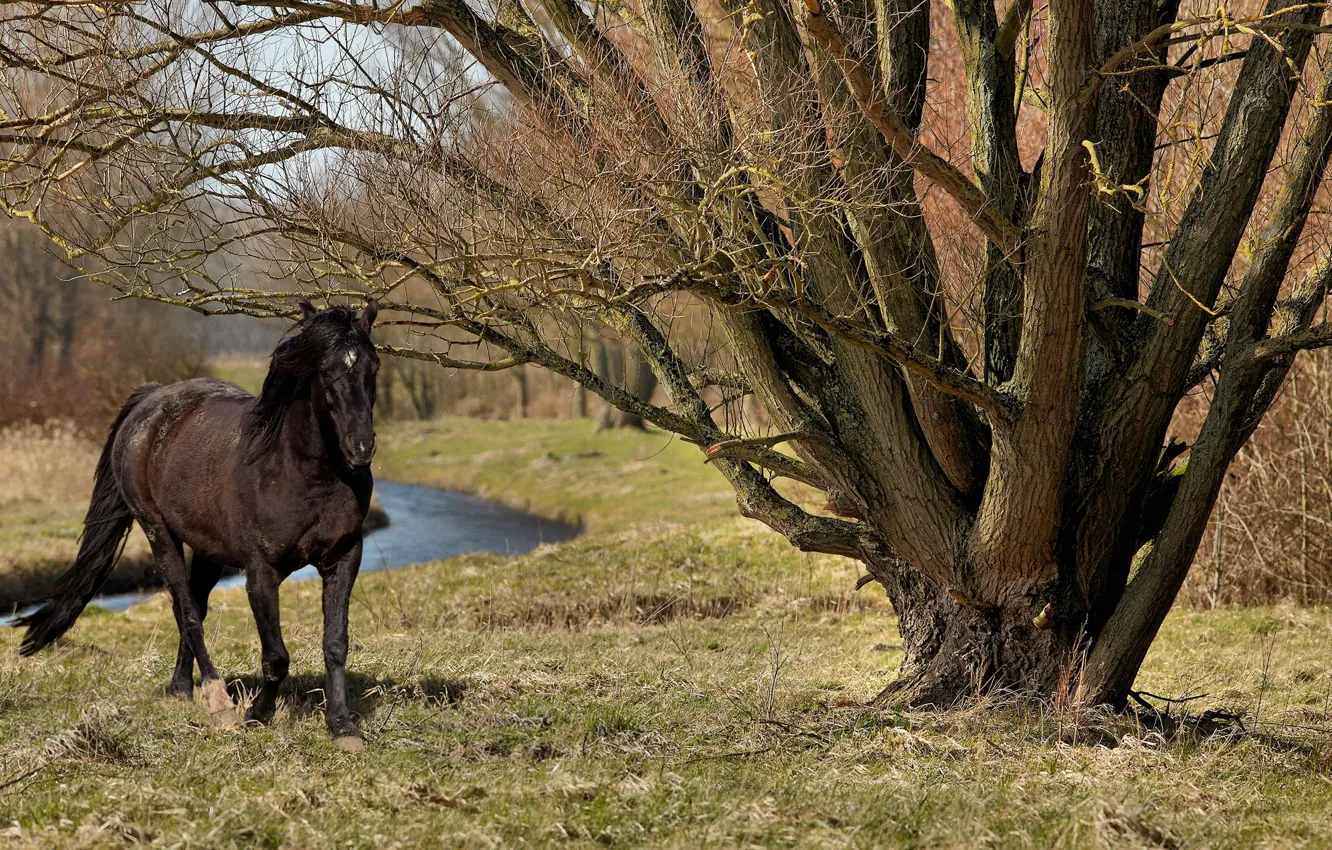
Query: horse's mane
[{"x": 291, "y": 372}]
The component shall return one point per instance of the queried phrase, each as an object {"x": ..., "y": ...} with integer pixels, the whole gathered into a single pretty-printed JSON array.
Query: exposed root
[{"x": 983, "y": 652}]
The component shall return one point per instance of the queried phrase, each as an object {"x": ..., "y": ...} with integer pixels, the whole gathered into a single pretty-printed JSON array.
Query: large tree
[{"x": 973, "y": 336}]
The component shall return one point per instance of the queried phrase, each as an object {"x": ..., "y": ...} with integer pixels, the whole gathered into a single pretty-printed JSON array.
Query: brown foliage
[
  {"x": 1270, "y": 536},
  {"x": 69, "y": 354}
]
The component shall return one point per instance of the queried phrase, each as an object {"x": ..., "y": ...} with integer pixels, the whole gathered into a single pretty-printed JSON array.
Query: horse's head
[
  {"x": 344, "y": 385},
  {"x": 332, "y": 363}
]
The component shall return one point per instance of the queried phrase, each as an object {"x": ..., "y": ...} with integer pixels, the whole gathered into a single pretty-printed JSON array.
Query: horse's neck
[{"x": 305, "y": 442}]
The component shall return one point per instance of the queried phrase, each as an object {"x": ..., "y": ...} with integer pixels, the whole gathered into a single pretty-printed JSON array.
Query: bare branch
[{"x": 973, "y": 201}]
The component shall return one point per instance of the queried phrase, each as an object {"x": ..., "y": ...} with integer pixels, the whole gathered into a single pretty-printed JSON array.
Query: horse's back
[
  {"x": 179, "y": 397},
  {"x": 163, "y": 411},
  {"x": 188, "y": 432}
]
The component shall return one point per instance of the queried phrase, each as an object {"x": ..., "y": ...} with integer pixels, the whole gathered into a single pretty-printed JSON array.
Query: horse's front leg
[{"x": 339, "y": 576}]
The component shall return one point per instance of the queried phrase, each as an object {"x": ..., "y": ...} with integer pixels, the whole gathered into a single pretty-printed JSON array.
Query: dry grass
[
  {"x": 700, "y": 731},
  {"x": 47, "y": 464}
]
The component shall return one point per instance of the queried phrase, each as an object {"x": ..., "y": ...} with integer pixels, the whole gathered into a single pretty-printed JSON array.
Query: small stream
[{"x": 425, "y": 524}]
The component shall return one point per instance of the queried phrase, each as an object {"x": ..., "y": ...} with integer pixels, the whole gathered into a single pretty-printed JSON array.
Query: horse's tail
[{"x": 104, "y": 530}]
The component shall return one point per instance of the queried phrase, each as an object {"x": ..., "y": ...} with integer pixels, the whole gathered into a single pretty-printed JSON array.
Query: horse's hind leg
[
  {"x": 203, "y": 577},
  {"x": 171, "y": 562},
  {"x": 261, "y": 585}
]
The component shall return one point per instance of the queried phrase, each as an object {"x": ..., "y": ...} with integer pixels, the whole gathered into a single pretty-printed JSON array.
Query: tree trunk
[
  {"x": 956, "y": 652},
  {"x": 520, "y": 400},
  {"x": 578, "y": 403},
  {"x": 385, "y": 388},
  {"x": 627, "y": 369},
  {"x": 69, "y": 314},
  {"x": 638, "y": 382},
  {"x": 607, "y": 368},
  {"x": 41, "y": 325}
]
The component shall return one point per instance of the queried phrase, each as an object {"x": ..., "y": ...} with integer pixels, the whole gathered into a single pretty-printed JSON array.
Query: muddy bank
[{"x": 33, "y": 582}]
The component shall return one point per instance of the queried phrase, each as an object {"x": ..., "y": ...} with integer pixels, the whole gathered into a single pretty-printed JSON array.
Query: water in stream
[{"x": 424, "y": 525}]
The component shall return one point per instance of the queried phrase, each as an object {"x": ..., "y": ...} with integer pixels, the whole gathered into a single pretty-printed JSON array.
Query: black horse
[{"x": 265, "y": 485}]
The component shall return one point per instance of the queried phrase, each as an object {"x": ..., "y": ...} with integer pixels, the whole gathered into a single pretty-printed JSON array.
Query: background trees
[
  {"x": 974, "y": 340},
  {"x": 67, "y": 353}
]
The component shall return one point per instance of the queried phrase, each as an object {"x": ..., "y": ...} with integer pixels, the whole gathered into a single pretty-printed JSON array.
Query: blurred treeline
[
  {"x": 414, "y": 389},
  {"x": 68, "y": 351},
  {"x": 72, "y": 352}
]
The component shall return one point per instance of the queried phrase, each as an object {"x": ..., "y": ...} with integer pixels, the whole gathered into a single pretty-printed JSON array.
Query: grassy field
[
  {"x": 676, "y": 677},
  {"x": 561, "y": 470}
]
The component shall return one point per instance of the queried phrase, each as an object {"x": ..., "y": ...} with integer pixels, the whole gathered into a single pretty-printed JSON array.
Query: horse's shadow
[{"x": 303, "y": 693}]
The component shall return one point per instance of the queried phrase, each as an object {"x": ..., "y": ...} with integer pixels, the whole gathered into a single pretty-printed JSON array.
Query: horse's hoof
[
  {"x": 220, "y": 707},
  {"x": 179, "y": 692},
  {"x": 227, "y": 718},
  {"x": 263, "y": 718},
  {"x": 349, "y": 743}
]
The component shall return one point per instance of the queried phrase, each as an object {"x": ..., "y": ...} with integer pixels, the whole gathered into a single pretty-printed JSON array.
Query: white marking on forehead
[{"x": 350, "y": 359}]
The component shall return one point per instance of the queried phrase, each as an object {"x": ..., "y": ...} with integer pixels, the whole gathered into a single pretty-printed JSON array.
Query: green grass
[
  {"x": 560, "y": 469},
  {"x": 677, "y": 677}
]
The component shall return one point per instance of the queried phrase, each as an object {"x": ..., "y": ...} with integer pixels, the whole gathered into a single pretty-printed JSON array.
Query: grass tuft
[{"x": 102, "y": 734}]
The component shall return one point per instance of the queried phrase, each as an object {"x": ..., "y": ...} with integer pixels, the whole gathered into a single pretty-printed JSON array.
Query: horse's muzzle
[{"x": 360, "y": 452}]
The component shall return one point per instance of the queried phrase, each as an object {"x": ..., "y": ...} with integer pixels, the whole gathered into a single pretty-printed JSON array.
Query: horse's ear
[
  {"x": 307, "y": 309},
  {"x": 367, "y": 318}
]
